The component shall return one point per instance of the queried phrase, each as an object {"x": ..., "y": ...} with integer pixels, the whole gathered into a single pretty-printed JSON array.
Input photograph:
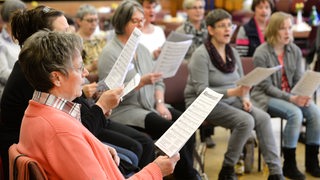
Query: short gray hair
[
  {"x": 10, "y": 6},
  {"x": 189, "y": 3},
  {"x": 86, "y": 9},
  {"x": 45, "y": 52},
  {"x": 217, "y": 15}
]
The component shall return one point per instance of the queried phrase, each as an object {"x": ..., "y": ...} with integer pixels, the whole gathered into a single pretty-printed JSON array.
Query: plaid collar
[{"x": 73, "y": 109}]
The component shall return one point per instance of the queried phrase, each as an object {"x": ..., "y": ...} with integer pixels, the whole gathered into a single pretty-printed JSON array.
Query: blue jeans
[
  {"x": 125, "y": 154},
  {"x": 294, "y": 116}
]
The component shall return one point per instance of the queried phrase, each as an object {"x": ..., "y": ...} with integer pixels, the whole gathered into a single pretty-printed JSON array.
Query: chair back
[
  {"x": 175, "y": 85},
  {"x": 247, "y": 64},
  {"x": 22, "y": 167}
]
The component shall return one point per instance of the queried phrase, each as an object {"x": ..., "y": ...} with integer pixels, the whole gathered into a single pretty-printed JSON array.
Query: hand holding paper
[
  {"x": 119, "y": 70},
  {"x": 183, "y": 128},
  {"x": 308, "y": 84},
  {"x": 131, "y": 85}
]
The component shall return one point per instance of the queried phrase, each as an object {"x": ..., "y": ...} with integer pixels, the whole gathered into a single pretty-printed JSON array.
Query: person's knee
[
  {"x": 246, "y": 124},
  {"x": 295, "y": 117}
]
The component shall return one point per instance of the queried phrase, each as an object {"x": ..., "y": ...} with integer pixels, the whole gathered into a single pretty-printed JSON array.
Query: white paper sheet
[
  {"x": 178, "y": 134},
  {"x": 308, "y": 84},
  {"x": 257, "y": 75},
  {"x": 120, "y": 68},
  {"x": 172, "y": 54},
  {"x": 133, "y": 83}
]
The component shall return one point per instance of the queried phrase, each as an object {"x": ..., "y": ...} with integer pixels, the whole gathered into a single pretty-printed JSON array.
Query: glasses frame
[
  {"x": 138, "y": 21},
  {"x": 91, "y": 20}
]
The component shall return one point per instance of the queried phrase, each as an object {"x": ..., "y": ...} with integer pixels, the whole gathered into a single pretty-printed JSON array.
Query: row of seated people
[
  {"x": 249, "y": 37},
  {"x": 115, "y": 133},
  {"x": 93, "y": 117},
  {"x": 103, "y": 102},
  {"x": 160, "y": 100}
]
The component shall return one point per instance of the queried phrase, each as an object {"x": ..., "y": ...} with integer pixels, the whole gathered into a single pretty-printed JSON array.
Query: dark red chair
[{"x": 175, "y": 87}]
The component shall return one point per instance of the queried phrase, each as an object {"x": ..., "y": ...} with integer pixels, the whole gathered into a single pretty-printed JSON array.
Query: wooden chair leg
[
  {"x": 259, "y": 159},
  {"x": 281, "y": 134}
]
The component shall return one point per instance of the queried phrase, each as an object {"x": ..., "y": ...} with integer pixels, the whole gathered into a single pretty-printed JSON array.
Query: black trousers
[
  {"x": 129, "y": 138},
  {"x": 155, "y": 126}
]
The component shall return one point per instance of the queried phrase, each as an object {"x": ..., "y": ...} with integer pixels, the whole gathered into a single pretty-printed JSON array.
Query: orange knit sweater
[{"x": 67, "y": 150}]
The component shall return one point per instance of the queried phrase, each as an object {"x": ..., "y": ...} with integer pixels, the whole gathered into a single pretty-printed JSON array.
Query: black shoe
[
  {"x": 227, "y": 173},
  {"x": 289, "y": 168},
  {"x": 314, "y": 172},
  {"x": 312, "y": 162},
  {"x": 302, "y": 138},
  {"x": 293, "y": 174},
  {"x": 209, "y": 142},
  {"x": 275, "y": 177}
]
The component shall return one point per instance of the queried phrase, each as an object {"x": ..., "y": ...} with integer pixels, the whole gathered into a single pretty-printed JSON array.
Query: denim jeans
[
  {"x": 125, "y": 154},
  {"x": 294, "y": 116}
]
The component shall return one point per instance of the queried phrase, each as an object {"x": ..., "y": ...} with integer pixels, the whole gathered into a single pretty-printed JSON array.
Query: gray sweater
[
  {"x": 138, "y": 103},
  {"x": 202, "y": 74},
  {"x": 265, "y": 56}
]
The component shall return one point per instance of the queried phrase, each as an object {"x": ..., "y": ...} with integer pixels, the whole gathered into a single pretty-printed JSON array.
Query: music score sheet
[
  {"x": 257, "y": 75},
  {"x": 120, "y": 68},
  {"x": 172, "y": 54},
  {"x": 307, "y": 84},
  {"x": 133, "y": 83},
  {"x": 182, "y": 129}
]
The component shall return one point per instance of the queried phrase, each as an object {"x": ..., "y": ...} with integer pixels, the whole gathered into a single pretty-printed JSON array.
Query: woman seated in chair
[
  {"x": 274, "y": 95},
  {"x": 51, "y": 129},
  {"x": 217, "y": 65},
  {"x": 144, "y": 107}
]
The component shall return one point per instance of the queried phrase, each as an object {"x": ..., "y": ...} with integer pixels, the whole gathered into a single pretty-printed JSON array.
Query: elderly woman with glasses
[
  {"x": 195, "y": 24},
  {"x": 56, "y": 73},
  {"x": 87, "y": 22},
  {"x": 143, "y": 108},
  {"x": 93, "y": 41},
  {"x": 18, "y": 92},
  {"x": 217, "y": 65}
]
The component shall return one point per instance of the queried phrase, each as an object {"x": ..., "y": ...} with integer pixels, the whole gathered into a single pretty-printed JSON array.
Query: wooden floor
[{"x": 214, "y": 156}]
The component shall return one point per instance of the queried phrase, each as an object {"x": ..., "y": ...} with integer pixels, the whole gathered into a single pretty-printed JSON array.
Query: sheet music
[
  {"x": 172, "y": 54},
  {"x": 133, "y": 83},
  {"x": 178, "y": 134},
  {"x": 178, "y": 37},
  {"x": 308, "y": 84},
  {"x": 120, "y": 68},
  {"x": 257, "y": 75}
]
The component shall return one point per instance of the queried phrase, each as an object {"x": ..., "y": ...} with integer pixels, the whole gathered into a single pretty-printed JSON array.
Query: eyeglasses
[
  {"x": 224, "y": 26},
  {"x": 138, "y": 21},
  {"x": 196, "y": 7},
  {"x": 91, "y": 20},
  {"x": 81, "y": 68}
]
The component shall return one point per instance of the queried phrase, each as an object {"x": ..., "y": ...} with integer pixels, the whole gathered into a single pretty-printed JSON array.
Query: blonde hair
[{"x": 276, "y": 21}]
